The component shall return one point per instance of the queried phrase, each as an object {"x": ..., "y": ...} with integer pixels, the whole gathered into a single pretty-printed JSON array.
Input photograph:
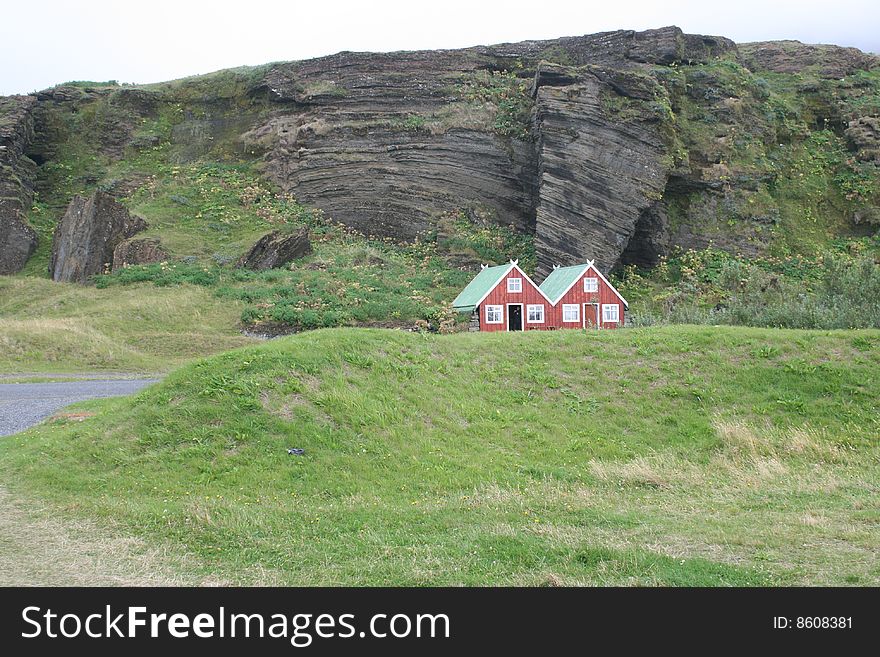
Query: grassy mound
[
  {"x": 677, "y": 455},
  {"x": 64, "y": 327}
]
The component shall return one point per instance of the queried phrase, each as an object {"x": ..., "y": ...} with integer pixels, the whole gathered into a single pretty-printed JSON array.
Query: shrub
[
  {"x": 161, "y": 274},
  {"x": 833, "y": 291}
]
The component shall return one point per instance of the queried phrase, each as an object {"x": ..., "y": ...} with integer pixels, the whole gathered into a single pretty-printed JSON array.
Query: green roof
[
  {"x": 560, "y": 280},
  {"x": 479, "y": 288}
]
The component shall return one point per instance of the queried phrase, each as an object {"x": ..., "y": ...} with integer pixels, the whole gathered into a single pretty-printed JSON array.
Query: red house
[
  {"x": 504, "y": 298},
  {"x": 583, "y": 298}
]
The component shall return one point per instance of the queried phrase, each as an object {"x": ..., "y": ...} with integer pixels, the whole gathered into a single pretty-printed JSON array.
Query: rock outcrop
[
  {"x": 617, "y": 146},
  {"x": 17, "y": 239},
  {"x": 87, "y": 235},
  {"x": 651, "y": 238},
  {"x": 387, "y": 143},
  {"x": 864, "y": 135},
  {"x": 598, "y": 172},
  {"x": 276, "y": 250},
  {"x": 387, "y": 152},
  {"x": 832, "y": 62},
  {"x": 138, "y": 251}
]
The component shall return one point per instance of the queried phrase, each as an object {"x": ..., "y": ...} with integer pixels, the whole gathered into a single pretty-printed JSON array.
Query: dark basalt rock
[
  {"x": 17, "y": 172},
  {"x": 598, "y": 174},
  {"x": 276, "y": 250},
  {"x": 651, "y": 238},
  {"x": 87, "y": 235},
  {"x": 549, "y": 74},
  {"x": 350, "y": 151},
  {"x": 863, "y": 134},
  {"x": 142, "y": 251},
  {"x": 603, "y": 127},
  {"x": 341, "y": 140}
]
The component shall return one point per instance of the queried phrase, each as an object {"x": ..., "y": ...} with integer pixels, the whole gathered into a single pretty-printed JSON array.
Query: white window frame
[
  {"x": 493, "y": 309},
  {"x": 606, "y": 308},
  {"x": 591, "y": 284},
  {"x": 514, "y": 283},
  {"x": 534, "y": 306},
  {"x": 567, "y": 308}
]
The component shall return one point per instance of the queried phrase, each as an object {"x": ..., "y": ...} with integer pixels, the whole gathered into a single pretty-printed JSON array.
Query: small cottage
[
  {"x": 583, "y": 298},
  {"x": 504, "y": 298}
]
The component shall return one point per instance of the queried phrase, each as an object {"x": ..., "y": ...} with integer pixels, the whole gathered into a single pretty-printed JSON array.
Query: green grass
[
  {"x": 65, "y": 327},
  {"x": 348, "y": 280},
  {"x": 671, "y": 456},
  {"x": 208, "y": 211},
  {"x": 839, "y": 288},
  {"x": 774, "y": 144},
  {"x": 207, "y": 215},
  {"x": 507, "y": 93}
]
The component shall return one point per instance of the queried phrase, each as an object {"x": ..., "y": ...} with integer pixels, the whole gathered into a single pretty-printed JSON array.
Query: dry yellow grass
[
  {"x": 39, "y": 549},
  {"x": 642, "y": 471}
]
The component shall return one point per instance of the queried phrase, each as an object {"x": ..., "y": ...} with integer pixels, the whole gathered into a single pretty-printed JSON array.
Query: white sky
[{"x": 45, "y": 42}]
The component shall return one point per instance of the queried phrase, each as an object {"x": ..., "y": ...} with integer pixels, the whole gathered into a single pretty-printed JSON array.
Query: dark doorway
[{"x": 514, "y": 317}]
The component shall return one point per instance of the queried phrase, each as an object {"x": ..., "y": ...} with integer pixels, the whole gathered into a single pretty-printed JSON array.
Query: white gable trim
[
  {"x": 494, "y": 285},
  {"x": 576, "y": 279},
  {"x": 613, "y": 289},
  {"x": 513, "y": 265},
  {"x": 540, "y": 291}
]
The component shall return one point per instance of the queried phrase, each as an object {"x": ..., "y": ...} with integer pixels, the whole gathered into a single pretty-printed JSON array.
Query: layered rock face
[
  {"x": 17, "y": 171},
  {"x": 276, "y": 250},
  {"x": 833, "y": 62},
  {"x": 87, "y": 235},
  {"x": 597, "y": 173},
  {"x": 386, "y": 143}
]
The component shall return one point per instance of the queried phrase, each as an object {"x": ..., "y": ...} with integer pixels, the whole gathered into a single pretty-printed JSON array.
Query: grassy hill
[
  {"x": 63, "y": 327},
  {"x": 672, "y": 456}
]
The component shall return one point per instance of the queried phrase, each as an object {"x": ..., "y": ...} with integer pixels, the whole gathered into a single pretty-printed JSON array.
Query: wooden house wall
[
  {"x": 576, "y": 295},
  {"x": 530, "y": 295}
]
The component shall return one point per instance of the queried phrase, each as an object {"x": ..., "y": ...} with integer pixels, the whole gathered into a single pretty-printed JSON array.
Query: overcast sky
[{"x": 45, "y": 42}]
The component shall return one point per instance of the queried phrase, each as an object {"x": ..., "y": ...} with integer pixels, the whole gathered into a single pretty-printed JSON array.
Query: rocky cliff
[
  {"x": 615, "y": 146},
  {"x": 17, "y": 172},
  {"x": 388, "y": 142}
]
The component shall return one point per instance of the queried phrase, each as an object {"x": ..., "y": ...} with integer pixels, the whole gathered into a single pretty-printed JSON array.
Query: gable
[
  {"x": 516, "y": 272},
  {"x": 562, "y": 279},
  {"x": 592, "y": 270},
  {"x": 488, "y": 280},
  {"x": 480, "y": 286}
]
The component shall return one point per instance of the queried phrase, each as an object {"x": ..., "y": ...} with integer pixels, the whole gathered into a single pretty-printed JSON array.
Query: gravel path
[{"x": 24, "y": 404}]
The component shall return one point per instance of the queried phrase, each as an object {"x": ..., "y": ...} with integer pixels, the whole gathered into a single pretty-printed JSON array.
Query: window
[
  {"x": 571, "y": 312},
  {"x": 610, "y": 312},
  {"x": 536, "y": 314},
  {"x": 591, "y": 285},
  {"x": 494, "y": 314},
  {"x": 514, "y": 285}
]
